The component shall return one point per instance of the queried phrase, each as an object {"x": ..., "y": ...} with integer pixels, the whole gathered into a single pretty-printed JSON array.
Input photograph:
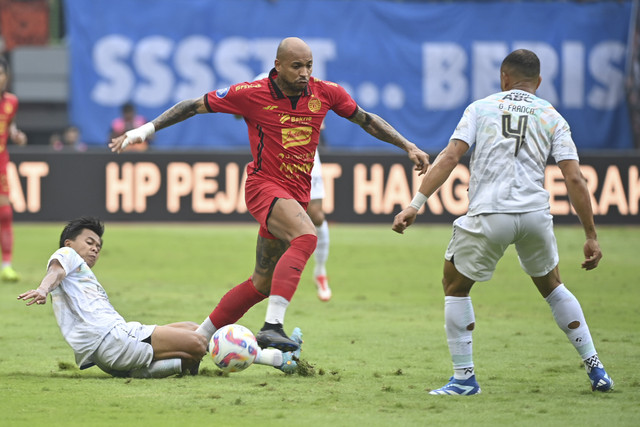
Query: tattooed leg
[{"x": 268, "y": 252}]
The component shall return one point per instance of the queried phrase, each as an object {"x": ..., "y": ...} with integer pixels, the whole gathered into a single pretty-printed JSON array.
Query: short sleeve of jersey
[
  {"x": 563, "y": 147},
  {"x": 342, "y": 103},
  {"x": 226, "y": 100},
  {"x": 12, "y": 107},
  {"x": 68, "y": 258},
  {"x": 15, "y": 103},
  {"x": 466, "y": 129},
  {"x": 8, "y": 107}
]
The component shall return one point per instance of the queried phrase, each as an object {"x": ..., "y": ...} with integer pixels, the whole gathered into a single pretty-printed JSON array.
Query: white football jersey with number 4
[{"x": 512, "y": 134}]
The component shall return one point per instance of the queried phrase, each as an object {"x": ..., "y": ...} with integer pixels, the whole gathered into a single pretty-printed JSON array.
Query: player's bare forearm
[
  {"x": 379, "y": 128},
  {"x": 437, "y": 174},
  {"x": 179, "y": 112},
  {"x": 581, "y": 201},
  {"x": 442, "y": 166},
  {"x": 582, "y": 204},
  {"x": 579, "y": 195},
  {"x": 51, "y": 280}
]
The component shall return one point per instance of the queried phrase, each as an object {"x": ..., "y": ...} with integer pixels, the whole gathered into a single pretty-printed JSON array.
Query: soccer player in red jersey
[
  {"x": 283, "y": 112},
  {"x": 8, "y": 130}
]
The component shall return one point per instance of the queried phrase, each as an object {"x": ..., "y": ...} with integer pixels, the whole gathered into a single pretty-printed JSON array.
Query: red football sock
[
  {"x": 6, "y": 232},
  {"x": 235, "y": 303},
  {"x": 286, "y": 275}
]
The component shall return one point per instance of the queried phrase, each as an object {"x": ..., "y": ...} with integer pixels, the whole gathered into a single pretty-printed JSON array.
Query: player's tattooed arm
[
  {"x": 379, "y": 128},
  {"x": 179, "y": 112}
]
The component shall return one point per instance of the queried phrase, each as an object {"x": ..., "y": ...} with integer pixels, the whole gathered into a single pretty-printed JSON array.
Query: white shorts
[
  {"x": 127, "y": 346},
  {"x": 317, "y": 184},
  {"x": 478, "y": 242}
]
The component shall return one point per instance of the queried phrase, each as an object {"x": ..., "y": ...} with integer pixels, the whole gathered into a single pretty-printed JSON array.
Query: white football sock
[
  {"x": 566, "y": 309},
  {"x": 458, "y": 315},
  {"x": 592, "y": 362},
  {"x": 206, "y": 329},
  {"x": 269, "y": 356},
  {"x": 276, "y": 309},
  {"x": 159, "y": 369},
  {"x": 321, "y": 254}
]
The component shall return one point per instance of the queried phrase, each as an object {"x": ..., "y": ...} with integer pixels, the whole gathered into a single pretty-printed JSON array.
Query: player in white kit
[
  {"x": 99, "y": 335},
  {"x": 514, "y": 132},
  {"x": 321, "y": 254}
]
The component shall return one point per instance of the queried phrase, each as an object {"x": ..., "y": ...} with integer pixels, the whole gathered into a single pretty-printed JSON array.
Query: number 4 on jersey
[{"x": 518, "y": 133}]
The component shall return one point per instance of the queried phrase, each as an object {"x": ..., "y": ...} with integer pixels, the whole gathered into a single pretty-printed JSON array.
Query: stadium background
[{"x": 416, "y": 63}]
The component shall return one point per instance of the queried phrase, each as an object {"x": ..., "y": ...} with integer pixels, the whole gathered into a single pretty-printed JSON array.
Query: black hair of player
[
  {"x": 524, "y": 62},
  {"x": 75, "y": 227}
]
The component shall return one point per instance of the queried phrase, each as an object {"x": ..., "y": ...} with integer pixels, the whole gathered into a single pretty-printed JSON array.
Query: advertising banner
[
  {"x": 210, "y": 187},
  {"x": 416, "y": 64}
]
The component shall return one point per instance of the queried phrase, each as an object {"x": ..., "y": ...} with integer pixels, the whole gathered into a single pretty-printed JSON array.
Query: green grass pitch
[{"x": 376, "y": 348}]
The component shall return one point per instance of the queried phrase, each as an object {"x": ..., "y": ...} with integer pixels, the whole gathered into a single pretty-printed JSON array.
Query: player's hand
[
  {"x": 134, "y": 136},
  {"x": 420, "y": 159},
  {"x": 118, "y": 144},
  {"x": 17, "y": 136},
  {"x": 592, "y": 254},
  {"x": 34, "y": 296},
  {"x": 404, "y": 219}
]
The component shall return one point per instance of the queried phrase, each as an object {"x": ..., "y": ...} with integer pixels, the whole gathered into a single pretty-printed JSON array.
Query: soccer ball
[{"x": 233, "y": 348}]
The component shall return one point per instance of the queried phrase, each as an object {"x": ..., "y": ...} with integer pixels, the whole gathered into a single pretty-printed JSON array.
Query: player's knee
[
  {"x": 192, "y": 326},
  {"x": 317, "y": 217}
]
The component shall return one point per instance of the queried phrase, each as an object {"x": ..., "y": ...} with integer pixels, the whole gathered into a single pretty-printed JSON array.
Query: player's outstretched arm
[
  {"x": 53, "y": 278},
  {"x": 437, "y": 174},
  {"x": 179, "y": 112},
  {"x": 378, "y": 127},
  {"x": 581, "y": 201},
  {"x": 17, "y": 136}
]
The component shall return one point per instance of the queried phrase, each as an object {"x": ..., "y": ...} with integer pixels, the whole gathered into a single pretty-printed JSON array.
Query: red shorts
[{"x": 260, "y": 196}]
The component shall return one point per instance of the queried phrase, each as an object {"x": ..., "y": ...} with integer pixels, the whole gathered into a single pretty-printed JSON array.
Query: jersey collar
[{"x": 276, "y": 93}]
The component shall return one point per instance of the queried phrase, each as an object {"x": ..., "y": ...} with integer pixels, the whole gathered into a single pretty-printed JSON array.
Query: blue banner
[{"x": 417, "y": 65}]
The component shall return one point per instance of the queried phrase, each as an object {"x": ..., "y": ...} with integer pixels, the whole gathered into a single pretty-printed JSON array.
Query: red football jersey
[
  {"x": 8, "y": 109},
  {"x": 283, "y": 131}
]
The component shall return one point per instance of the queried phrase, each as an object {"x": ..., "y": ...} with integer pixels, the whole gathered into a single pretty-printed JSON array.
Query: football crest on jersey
[
  {"x": 314, "y": 105},
  {"x": 8, "y": 108},
  {"x": 221, "y": 93}
]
